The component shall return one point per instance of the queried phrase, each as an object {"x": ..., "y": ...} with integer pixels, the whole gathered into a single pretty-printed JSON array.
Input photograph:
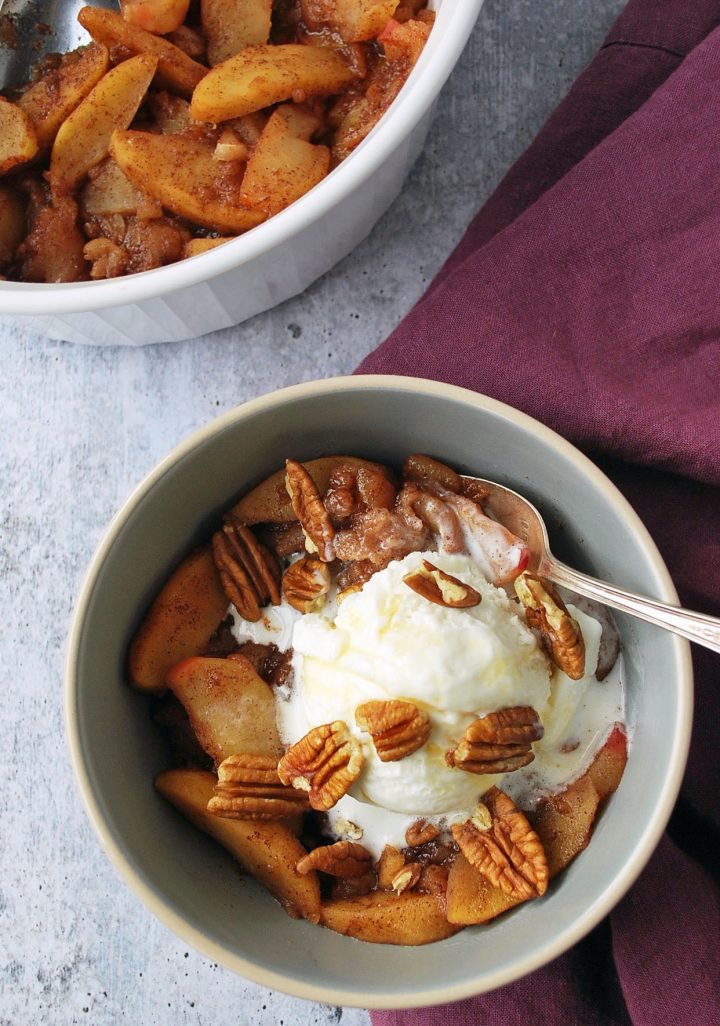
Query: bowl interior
[{"x": 189, "y": 882}]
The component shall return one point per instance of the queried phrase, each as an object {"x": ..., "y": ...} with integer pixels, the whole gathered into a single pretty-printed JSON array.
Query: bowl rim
[
  {"x": 214, "y": 950},
  {"x": 415, "y": 98}
]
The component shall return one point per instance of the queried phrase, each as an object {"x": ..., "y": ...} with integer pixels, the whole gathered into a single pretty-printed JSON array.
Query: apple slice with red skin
[
  {"x": 564, "y": 824},
  {"x": 564, "y": 821},
  {"x": 607, "y": 767},
  {"x": 179, "y": 623}
]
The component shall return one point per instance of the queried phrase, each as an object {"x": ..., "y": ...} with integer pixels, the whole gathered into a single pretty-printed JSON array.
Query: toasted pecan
[
  {"x": 546, "y": 612},
  {"x": 421, "y": 832},
  {"x": 344, "y": 859},
  {"x": 310, "y": 511},
  {"x": 248, "y": 787},
  {"x": 250, "y": 573},
  {"x": 325, "y": 763},
  {"x": 499, "y": 742},
  {"x": 398, "y": 728},
  {"x": 500, "y": 843},
  {"x": 306, "y": 583},
  {"x": 407, "y": 878},
  {"x": 441, "y": 588}
]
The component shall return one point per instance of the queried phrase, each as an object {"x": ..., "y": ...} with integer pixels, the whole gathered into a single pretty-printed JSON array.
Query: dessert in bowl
[
  {"x": 197, "y": 891},
  {"x": 120, "y": 206}
]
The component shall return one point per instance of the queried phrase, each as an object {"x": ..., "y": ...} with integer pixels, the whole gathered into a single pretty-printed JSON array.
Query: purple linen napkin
[{"x": 586, "y": 292}]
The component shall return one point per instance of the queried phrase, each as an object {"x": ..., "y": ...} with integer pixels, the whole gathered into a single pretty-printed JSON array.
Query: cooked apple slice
[
  {"x": 12, "y": 224},
  {"x": 230, "y": 26},
  {"x": 267, "y": 850},
  {"x": 160, "y": 16},
  {"x": 53, "y": 249},
  {"x": 18, "y": 142},
  {"x": 180, "y": 622},
  {"x": 359, "y": 113},
  {"x": 231, "y": 709},
  {"x": 262, "y": 75},
  {"x": 269, "y": 501},
  {"x": 181, "y": 174},
  {"x": 284, "y": 165},
  {"x": 404, "y": 42},
  {"x": 83, "y": 138},
  {"x": 354, "y": 20},
  {"x": 170, "y": 113},
  {"x": 197, "y": 246},
  {"x": 564, "y": 822},
  {"x": 383, "y": 917},
  {"x": 471, "y": 898},
  {"x": 110, "y": 191},
  {"x": 389, "y": 864},
  {"x": 51, "y": 100},
  {"x": 175, "y": 69}
]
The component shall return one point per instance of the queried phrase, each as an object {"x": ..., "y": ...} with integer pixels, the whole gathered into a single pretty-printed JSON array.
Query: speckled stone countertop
[{"x": 80, "y": 427}]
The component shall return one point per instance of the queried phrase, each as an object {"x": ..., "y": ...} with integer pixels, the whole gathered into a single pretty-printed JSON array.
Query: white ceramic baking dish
[{"x": 272, "y": 262}]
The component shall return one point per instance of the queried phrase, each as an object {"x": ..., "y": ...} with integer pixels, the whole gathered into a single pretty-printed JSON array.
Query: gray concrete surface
[{"x": 78, "y": 429}]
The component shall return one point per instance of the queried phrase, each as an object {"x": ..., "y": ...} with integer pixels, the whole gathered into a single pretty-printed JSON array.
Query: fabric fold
[{"x": 594, "y": 310}]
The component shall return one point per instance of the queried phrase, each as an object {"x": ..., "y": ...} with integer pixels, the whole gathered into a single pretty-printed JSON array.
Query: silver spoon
[
  {"x": 522, "y": 518},
  {"x": 29, "y": 29}
]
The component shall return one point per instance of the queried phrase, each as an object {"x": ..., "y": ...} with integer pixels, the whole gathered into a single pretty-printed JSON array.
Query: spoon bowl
[
  {"x": 30, "y": 29},
  {"x": 520, "y": 517}
]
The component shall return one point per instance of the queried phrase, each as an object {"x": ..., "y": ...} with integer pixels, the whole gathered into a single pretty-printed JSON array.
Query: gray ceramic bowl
[{"x": 190, "y": 884}]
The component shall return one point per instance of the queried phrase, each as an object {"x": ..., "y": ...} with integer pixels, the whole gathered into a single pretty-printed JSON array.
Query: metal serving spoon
[
  {"x": 29, "y": 29},
  {"x": 522, "y": 518}
]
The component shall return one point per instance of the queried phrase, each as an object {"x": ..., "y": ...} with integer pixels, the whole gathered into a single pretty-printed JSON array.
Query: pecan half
[
  {"x": 500, "y": 843},
  {"x": 546, "y": 612},
  {"x": 341, "y": 499},
  {"x": 355, "y": 488},
  {"x": 499, "y": 742},
  {"x": 421, "y": 832},
  {"x": 325, "y": 763},
  {"x": 381, "y": 535},
  {"x": 344, "y": 859},
  {"x": 248, "y": 787},
  {"x": 310, "y": 511},
  {"x": 398, "y": 728},
  {"x": 407, "y": 878},
  {"x": 305, "y": 584},
  {"x": 441, "y": 588},
  {"x": 249, "y": 573}
]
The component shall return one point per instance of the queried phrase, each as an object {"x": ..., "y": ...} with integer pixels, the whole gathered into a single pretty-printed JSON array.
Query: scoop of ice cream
[{"x": 388, "y": 642}]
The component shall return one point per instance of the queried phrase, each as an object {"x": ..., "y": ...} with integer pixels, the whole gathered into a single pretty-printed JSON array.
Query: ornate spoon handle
[{"x": 697, "y": 627}]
